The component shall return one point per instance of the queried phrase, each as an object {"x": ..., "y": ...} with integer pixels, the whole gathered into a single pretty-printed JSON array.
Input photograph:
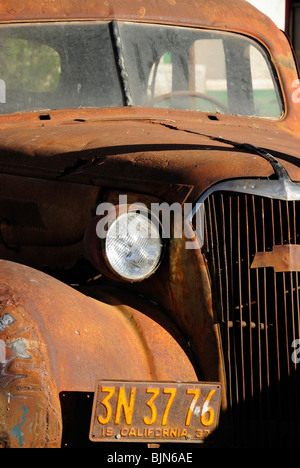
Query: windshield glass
[
  {"x": 57, "y": 66},
  {"x": 72, "y": 65},
  {"x": 210, "y": 71}
]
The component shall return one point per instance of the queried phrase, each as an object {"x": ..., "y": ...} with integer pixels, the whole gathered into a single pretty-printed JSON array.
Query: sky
[{"x": 275, "y": 9}]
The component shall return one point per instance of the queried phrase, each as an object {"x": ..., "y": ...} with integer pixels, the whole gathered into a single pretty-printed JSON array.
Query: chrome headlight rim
[
  {"x": 134, "y": 253},
  {"x": 96, "y": 247}
]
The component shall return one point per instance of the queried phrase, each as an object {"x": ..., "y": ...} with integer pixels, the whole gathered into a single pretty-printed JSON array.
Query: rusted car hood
[{"x": 165, "y": 155}]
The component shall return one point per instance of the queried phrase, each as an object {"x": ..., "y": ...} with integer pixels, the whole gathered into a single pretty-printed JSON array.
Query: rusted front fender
[{"x": 55, "y": 339}]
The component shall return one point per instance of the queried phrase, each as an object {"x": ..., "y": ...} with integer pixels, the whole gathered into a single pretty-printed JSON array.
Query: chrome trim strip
[{"x": 281, "y": 189}]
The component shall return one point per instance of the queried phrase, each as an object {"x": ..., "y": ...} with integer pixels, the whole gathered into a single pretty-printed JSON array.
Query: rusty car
[{"x": 149, "y": 226}]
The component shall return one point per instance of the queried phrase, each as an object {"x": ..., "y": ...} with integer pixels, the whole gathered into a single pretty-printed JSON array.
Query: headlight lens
[{"x": 133, "y": 246}]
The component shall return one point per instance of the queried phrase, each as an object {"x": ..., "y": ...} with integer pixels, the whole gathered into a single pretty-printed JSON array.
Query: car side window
[{"x": 266, "y": 103}]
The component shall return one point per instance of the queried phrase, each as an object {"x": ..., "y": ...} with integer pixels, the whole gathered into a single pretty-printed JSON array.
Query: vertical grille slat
[{"x": 259, "y": 314}]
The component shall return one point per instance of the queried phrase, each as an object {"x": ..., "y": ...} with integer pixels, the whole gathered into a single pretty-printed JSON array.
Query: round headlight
[{"x": 133, "y": 246}]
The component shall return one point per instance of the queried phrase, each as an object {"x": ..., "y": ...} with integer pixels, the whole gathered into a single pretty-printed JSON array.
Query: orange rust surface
[
  {"x": 29, "y": 405},
  {"x": 85, "y": 337},
  {"x": 33, "y": 9},
  {"x": 133, "y": 140},
  {"x": 68, "y": 340},
  {"x": 57, "y": 339},
  {"x": 130, "y": 152}
]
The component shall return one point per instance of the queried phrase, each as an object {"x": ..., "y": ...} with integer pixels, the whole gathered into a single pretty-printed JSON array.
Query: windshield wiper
[{"x": 278, "y": 168}]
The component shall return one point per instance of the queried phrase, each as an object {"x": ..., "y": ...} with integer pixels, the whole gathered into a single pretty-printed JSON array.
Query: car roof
[
  {"x": 232, "y": 15},
  {"x": 227, "y": 14}
]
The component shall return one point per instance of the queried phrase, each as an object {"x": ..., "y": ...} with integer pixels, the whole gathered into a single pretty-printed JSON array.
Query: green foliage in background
[{"x": 29, "y": 66}]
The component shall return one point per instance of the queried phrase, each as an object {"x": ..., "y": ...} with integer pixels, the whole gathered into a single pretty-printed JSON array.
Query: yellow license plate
[{"x": 154, "y": 411}]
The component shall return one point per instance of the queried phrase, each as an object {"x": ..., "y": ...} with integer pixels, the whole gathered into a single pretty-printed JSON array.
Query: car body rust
[{"x": 57, "y": 165}]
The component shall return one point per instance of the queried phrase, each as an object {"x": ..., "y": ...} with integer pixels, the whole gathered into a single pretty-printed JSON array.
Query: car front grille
[{"x": 258, "y": 308}]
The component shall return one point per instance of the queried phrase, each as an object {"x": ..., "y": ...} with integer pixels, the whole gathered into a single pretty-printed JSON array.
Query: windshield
[
  {"x": 58, "y": 66},
  {"x": 72, "y": 65}
]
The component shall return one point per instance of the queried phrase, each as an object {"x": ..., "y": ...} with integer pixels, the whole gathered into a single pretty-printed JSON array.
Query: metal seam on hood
[{"x": 278, "y": 168}]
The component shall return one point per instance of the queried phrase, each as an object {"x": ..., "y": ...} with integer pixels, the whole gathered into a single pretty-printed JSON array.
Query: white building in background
[{"x": 275, "y": 9}]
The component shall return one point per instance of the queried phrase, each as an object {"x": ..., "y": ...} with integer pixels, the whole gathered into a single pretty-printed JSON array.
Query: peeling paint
[
  {"x": 5, "y": 321},
  {"x": 17, "y": 431},
  {"x": 19, "y": 348},
  {"x": 2, "y": 352}
]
